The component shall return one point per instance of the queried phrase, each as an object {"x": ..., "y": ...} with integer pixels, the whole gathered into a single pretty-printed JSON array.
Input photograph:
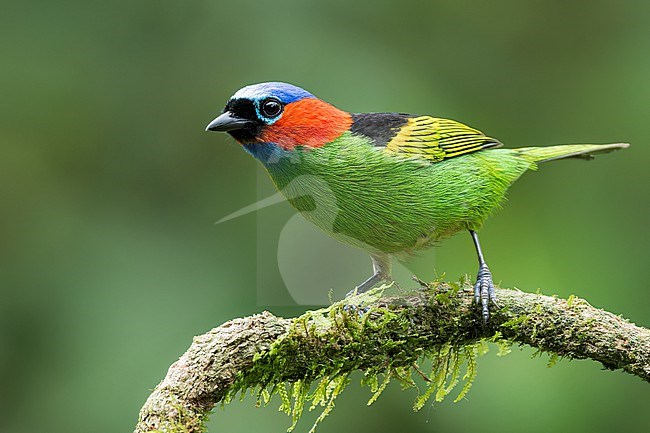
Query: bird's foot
[
  {"x": 360, "y": 310},
  {"x": 362, "y": 288},
  {"x": 484, "y": 291}
]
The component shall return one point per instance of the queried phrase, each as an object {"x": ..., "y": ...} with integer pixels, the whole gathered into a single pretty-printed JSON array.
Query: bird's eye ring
[{"x": 270, "y": 107}]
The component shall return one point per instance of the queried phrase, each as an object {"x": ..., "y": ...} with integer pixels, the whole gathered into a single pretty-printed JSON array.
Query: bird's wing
[{"x": 431, "y": 138}]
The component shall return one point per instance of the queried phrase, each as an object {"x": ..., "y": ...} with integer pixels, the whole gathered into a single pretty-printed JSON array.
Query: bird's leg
[
  {"x": 381, "y": 272},
  {"x": 484, "y": 287}
]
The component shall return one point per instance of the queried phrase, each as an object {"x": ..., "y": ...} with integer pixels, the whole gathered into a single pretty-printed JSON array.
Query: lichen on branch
[{"x": 307, "y": 360}]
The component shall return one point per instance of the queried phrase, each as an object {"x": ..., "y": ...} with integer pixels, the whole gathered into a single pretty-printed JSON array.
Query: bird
[{"x": 391, "y": 184}]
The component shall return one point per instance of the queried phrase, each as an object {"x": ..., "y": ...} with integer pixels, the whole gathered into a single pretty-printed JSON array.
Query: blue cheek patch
[{"x": 268, "y": 153}]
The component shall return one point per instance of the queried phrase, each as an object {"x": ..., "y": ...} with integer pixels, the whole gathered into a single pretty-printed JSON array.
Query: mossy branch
[{"x": 441, "y": 323}]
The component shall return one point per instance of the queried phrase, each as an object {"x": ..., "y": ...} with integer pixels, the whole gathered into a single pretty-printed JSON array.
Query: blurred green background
[{"x": 109, "y": 190}]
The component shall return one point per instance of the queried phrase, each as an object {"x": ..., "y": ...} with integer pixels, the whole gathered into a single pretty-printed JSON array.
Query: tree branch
[{"x": 264, "y": 349}]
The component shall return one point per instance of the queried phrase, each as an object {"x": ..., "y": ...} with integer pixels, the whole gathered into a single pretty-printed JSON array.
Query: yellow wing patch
[{"x": 436, "y": 139}]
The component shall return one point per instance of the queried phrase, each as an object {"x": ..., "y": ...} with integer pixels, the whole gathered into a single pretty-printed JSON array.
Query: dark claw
[
  {"x": 358, "y": 309},
  {"x": 354, "y": 308},
  {"x": 484, "y": 291}
]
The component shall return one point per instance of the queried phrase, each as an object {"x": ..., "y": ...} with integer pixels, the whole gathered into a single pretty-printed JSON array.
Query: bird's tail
[{"x": 584, "y": 151}]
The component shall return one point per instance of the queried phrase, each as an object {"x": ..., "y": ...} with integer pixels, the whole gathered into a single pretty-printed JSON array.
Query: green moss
[
  {"x": 311, "y": 364},
  {"x": 184, "y": 421},
  {"x": 553, "y": 358},
  {"x": 569, "y": 301}
]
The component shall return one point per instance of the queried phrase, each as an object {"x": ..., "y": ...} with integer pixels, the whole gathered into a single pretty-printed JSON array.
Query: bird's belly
[
  {"x": 392, "y": 206},
  {"x": 381, "y": 216},
  {"x": 382, "y": 224}
]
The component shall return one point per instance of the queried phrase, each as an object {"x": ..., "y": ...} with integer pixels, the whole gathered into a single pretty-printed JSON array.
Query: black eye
[{"x": 270, "y": 107}]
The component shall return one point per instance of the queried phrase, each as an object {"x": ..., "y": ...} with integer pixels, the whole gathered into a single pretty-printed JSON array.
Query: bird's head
[{"x": 280, "y": 115}]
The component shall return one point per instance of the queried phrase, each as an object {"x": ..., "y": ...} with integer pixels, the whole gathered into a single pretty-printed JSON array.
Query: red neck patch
[{"x": 309, "y": 122}]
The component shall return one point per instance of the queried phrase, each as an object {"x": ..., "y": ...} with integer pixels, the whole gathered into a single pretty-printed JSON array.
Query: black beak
[{"x": 227, "y": 122}]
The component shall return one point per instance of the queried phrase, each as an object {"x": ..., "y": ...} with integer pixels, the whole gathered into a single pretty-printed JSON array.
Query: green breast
[{"x": 385, "y": 203}]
